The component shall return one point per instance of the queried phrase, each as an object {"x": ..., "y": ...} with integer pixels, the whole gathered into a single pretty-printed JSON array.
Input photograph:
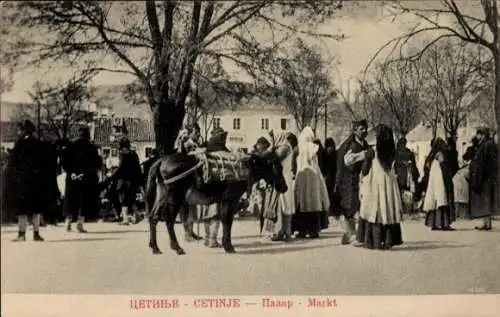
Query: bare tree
[
  {"x": 154, "y": 39},
  {"x": 473, "y": 22},
  {"x": 6, "y": 81},
  {"x": 398, "y": 85},
  {"x": 372, "y": 103},
  {"x": 452, "y": 82},
  {"x": 299, "y": 79},
  {"x": 59, "y": 107}
]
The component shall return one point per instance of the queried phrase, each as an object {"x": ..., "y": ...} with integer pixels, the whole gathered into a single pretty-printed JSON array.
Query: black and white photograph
[{"x": 209, "y": 157}]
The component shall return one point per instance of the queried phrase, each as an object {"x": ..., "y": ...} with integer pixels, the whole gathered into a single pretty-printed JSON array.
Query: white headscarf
[
  {"x": 279, "y": 139},
  {"x": 307, "y": 149}
]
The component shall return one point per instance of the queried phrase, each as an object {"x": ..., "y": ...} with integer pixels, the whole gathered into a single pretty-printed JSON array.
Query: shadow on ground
[
  {"x": 281, "y": 250},
  {"x": 116, "y": 231},
  {"x": 80, "y": 240},
  {"x": 429, "y": 246}
]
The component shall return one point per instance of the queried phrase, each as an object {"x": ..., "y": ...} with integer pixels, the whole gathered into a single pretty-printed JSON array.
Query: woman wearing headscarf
[
  {"x": 406, "y": 169},
  {"x": 438, "y": 200},
  {"x": 210, "y": 214},
  {"x": 256, "y": 193},
  {"x": 311, "y": 194},
  {"x": 286, "y": 204},
  {"x": 461, "y": 181},
  {"x": 381, "y": 206}
]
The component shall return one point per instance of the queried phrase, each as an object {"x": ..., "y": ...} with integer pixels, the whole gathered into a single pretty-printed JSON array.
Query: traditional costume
[
  {"x": 407, "y": 173},
  {"x": 438, "y": 200},
  {"x": 311, "y": 194},
  {"x": 211, "y": 214},
  {"x": 350, "y": 158},
  {"x": 128, "y": 179},
  {"x": 330, "y": 174},
  {"x": 381, "y": 206},
  {"x": 25, "y": 180},
  {"x": 484, "y": 187},
  {"x": 286, "y": 200},
  {"x": 81, "y": 162}
]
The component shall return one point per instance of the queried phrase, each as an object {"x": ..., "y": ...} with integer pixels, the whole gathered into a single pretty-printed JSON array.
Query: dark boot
[
  {"x": 36, "y": 236},
  {"x": 21, "y": 236}
]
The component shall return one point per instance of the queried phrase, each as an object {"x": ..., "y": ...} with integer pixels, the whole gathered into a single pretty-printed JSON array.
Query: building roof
[{"x": 138, "y": 130}]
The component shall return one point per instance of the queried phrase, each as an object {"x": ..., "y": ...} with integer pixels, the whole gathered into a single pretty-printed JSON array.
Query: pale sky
[{"x": 366, "y": 30}]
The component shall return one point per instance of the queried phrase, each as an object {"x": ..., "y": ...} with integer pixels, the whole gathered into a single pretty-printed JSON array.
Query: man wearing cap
[
  {"x": 351, "y": 155},
  {"x": 81, "y": 162},
  {"x": 483, "y": 169},
  {"x": 128, "y": 178},
  {"x": 25, "y": 180}
]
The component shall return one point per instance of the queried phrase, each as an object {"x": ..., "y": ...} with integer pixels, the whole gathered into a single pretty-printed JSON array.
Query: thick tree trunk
[
  {"x": 497, "y": 114},
  {"x": 168, "y": 119}
]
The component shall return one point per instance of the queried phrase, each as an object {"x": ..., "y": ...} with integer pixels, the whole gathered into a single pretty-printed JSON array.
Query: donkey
[{"x": 175, "y": 177}]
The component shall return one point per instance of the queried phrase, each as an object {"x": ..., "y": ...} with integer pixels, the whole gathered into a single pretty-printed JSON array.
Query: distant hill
[{"x": 109, "y": 97}]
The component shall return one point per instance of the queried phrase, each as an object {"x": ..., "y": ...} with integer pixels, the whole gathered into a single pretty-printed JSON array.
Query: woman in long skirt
[
  {"x": 286, "y": 204},
  {"x": 311, "y": 194},
  {"x": 381, "y": 206},
  {"x": 438, "y": 200}
]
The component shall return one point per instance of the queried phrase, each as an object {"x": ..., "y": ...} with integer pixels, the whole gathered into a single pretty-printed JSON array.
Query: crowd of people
[
  {"x": 30, "y": 173},
  {"x": 367, "y": 189}
]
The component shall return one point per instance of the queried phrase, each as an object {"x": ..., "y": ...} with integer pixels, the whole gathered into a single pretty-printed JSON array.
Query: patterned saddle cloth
[{"x": 224, "y": 166}]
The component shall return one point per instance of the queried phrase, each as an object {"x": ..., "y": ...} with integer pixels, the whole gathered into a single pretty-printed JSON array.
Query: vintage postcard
[{"x": 213, "y": 158}]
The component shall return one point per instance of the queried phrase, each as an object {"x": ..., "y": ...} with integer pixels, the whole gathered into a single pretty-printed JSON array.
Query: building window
[
  {"x": 216, "y": 123},
  {"x": 265, "y": 124},
  {"x": 236, "y": 124},
  {"x": 283, "y": 124}
]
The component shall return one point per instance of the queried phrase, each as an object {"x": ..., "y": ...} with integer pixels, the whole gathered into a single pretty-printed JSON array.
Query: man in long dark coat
[
  {"x": 483, "y": 184},
  {"x": 25, "y": 180},
  {"x": 351, "y": 155},
  {"x": 81, "y": 161}
]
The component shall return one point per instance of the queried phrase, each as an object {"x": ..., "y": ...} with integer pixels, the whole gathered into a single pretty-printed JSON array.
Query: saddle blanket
[{"x": 224, "y": 166}]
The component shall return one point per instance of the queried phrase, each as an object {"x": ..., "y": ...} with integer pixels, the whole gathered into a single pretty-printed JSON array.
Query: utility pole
[
  {"x": 326, "y": 121},
  {"x": 38, "y": 119}
]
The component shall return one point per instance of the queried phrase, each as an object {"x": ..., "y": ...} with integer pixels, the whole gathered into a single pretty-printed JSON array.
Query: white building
[
  {"x": 248, "y": 123},
  {"x": 255, "y": 119}
]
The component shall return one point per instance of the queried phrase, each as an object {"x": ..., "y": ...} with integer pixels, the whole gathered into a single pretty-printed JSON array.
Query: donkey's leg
[
  {"x": 152, "y": 235},
  {"x": 227, "y": 216},
  {"x": 171, "y": 214}
]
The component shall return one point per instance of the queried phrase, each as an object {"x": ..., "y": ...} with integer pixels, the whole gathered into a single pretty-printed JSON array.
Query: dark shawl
[{"x": 483, "y": 180}]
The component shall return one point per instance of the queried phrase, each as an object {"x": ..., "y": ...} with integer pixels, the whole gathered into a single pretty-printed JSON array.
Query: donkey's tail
[{"x": 154, "y": 178}]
